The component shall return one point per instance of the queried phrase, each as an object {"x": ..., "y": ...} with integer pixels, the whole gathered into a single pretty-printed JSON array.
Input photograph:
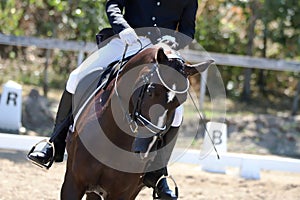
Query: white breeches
[{"x": 101, "y": 58}]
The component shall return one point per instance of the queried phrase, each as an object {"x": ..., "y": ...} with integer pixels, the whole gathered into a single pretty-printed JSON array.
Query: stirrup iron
[
  {"x": 155, "y": 195},
  {"x": 47, "y": 165}
]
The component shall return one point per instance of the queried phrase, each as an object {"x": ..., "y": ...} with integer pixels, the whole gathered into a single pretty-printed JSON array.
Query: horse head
[{"x": 160, "y": 88}]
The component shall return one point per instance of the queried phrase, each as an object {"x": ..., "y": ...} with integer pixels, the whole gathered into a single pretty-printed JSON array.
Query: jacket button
[
  {"x": 158, "y": 3},
  {"x": 153, "y": 18}
]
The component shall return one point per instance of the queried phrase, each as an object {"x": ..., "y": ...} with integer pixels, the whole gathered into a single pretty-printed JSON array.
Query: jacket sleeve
[
  {"x": 115, "y": 16},
  {"x": 187, "y": 24}
]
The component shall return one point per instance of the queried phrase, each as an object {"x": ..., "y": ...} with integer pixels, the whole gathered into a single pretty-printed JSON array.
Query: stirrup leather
[
  {"x": 47, "y": 165},
  {"x": 155, "y": 195}
]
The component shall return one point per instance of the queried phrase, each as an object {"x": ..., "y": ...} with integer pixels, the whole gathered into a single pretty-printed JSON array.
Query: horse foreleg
[{"x": 70, "y": 189}]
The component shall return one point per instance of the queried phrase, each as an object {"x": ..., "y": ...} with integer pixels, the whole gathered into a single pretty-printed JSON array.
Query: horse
[{"x": 141, "y": 98}]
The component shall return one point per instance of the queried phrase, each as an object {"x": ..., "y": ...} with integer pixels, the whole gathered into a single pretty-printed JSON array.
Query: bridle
[{"x": 136, "y": 117}]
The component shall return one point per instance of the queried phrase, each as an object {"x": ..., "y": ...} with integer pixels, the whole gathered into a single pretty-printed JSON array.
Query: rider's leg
[
  {"x": 62, "y": 123},
  {"x": 152, "y": 178},
  {"x": 161, "y": 160}
]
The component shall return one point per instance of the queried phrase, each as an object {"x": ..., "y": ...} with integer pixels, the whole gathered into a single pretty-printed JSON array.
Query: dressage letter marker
[
  {"x": 11, "y": 106},
  {"x": 12, "y": 97},
  {"x": 218, "y": 135}
]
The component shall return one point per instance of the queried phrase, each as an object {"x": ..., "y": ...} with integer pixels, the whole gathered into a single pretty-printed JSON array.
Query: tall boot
[
  {"x": 62, "y": 122},
  {"x": 161, "y": 189}
]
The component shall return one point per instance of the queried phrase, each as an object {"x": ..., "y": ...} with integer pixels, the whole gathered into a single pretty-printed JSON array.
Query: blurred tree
[
  {"x": 264, "y": 28},
  {"x": 252, "y": 13},
  {"x": 10, "y": 16},
  {"x": 65, "y": 19},
  {"x": 221, "y": 27}
]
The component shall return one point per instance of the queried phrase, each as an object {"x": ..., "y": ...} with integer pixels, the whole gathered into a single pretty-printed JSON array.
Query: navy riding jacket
[{"x": 170, "y": 14}]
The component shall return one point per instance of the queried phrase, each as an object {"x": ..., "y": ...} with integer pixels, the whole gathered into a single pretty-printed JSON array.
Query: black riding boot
[
  {"x": 58, "y": 137},
  {"x": 161, "y": 188}
]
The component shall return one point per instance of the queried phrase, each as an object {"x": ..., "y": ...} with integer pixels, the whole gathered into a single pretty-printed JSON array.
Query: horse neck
[
  {"x": 144, "y": 57},
  {"x": 110, "y": 120}
]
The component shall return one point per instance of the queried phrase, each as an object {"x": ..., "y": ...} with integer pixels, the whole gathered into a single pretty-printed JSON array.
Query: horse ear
[
  {"x": 161, "y": 57},
  {"x": 191, "y": 70}
]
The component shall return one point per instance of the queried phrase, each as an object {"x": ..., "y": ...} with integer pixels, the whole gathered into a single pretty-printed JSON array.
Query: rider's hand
[
  {"x": 128, "y": 36},
  {"x": 169, "y": 40}
]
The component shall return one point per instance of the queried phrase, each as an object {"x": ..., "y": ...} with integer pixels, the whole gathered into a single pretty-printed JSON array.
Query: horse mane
[{"x": 146, "y": 56}]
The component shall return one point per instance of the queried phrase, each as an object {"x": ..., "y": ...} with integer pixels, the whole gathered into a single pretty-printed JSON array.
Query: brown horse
[{"x": 140, "y": 100}]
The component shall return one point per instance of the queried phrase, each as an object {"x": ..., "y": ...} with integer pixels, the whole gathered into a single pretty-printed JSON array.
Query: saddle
[
  {"x": 104, "y": 36},
  {"x": 111, "y": 71}
]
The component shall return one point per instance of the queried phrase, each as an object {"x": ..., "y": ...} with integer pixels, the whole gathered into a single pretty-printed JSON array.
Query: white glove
[
  {"x": 128, "y": 36},
  {"x": 169, "y": 40}
]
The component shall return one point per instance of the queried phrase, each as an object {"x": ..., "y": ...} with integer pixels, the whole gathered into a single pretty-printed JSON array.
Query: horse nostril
[{"x": 149, "y": 93}]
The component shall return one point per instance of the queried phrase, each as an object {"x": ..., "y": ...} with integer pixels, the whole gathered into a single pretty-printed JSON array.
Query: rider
[{"x": 175, "y": 15}]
